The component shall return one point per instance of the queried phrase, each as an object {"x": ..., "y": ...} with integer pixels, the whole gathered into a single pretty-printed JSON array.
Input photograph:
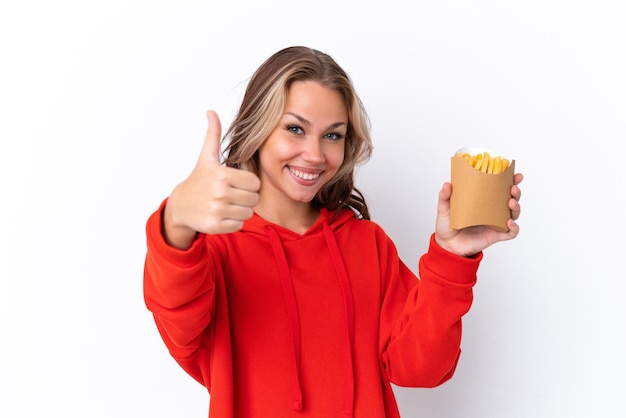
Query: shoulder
[{"x": 358, "y": 227}]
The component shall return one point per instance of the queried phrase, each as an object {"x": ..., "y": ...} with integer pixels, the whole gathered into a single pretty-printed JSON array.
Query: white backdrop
[{"x": 102, "y": 113}]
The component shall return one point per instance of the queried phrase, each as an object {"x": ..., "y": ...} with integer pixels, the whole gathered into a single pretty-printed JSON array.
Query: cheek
[
  {"x": 336, "y": 156},
  {"x": 282, "y": 150},
  {"x": 274, "y": 151}
]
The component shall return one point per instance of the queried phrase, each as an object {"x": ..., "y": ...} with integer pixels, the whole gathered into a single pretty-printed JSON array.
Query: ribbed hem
[{"x": 451, "y": 267}]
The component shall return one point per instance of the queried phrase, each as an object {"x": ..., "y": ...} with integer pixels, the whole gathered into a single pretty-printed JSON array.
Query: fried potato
[{"x": 485, "y": 162}]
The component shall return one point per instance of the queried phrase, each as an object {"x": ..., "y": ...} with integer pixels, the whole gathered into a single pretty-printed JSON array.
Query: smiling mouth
[{"x": 304, "y": 176}]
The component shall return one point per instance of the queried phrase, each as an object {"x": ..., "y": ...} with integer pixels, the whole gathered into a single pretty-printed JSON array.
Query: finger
[
  {"x": 243, "y": 180},
  {"x": 513, "y": 229},
  {"x": 224, "y": 218},
  {"x": 243, "y": 198},
  {"x": 230, "y": 225},
  {"x": 234, "y": 219},
  {"x": 516, "y": 209},
  {"x": 210, "y": 152},
  {"x": 237, "y": 213},
  {"x": 516, "y": 192},
  {"x": 511, "y": 233},
  {"x": 444, "y": 199},
  {"x": 446, "y": 191}
]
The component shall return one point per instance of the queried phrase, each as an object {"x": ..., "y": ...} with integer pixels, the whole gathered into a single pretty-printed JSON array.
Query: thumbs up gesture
[{"x": 214, "y": 199}]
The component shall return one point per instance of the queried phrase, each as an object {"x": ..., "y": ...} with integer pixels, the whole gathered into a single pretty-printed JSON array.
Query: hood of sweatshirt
[
  {"x": 327, "y": 225},
  {"x": 257, "y": 224}
]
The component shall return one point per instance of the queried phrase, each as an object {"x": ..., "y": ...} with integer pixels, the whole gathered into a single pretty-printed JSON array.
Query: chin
[{"x": 303, "y": 198}]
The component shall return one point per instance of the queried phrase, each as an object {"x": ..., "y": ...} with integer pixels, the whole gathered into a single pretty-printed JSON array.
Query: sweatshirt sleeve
[
  {"x": 421, "y": 316},
  {"x": 179, "y": 289}
]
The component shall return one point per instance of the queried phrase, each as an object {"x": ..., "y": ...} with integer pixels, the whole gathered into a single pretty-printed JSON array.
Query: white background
[{"x": 102, "y": 114}]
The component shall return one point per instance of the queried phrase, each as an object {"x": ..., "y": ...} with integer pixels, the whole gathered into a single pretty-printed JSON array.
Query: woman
[{"x": 269, "y": 283}]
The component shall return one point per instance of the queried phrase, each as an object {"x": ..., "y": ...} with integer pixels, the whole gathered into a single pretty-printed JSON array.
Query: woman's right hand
[{"x": 214, "y": 199}]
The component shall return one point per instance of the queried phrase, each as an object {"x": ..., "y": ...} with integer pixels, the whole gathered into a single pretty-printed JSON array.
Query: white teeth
[{"x": 304, "y": 176}]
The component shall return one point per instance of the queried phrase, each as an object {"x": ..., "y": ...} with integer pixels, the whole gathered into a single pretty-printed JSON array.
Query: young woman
[{"x": 269, "y": 283}]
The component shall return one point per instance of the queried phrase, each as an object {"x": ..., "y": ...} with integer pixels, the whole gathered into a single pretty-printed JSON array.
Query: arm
[
  {"x": 179, "y": 288},
  {"x": 421, "y": 318},
  {"x": 180, "y": 266}
]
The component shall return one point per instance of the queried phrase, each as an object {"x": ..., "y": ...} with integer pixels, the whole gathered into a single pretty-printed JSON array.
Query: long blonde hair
[{"x": 262, "y": 107}]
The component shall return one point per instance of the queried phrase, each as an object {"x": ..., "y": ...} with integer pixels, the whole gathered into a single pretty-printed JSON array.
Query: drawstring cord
[
  {"x": 294, "y": 321},
  {"x": 348, "y": 303},
  {"x": 292, "y": 311}
]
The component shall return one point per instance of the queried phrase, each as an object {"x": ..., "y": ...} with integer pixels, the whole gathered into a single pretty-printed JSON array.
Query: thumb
[{"x": 210, "y": 152}]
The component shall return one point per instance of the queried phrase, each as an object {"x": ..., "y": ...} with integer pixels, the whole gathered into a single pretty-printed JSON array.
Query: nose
[{"x": 313, "y": 151}]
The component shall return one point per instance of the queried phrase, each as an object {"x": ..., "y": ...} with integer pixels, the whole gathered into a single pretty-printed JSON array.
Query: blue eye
[
  {"x": 334, "y": 136},
  {"x": 294, "y": 129}
]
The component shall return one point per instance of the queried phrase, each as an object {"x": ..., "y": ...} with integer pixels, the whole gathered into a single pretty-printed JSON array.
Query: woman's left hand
[{"x": 474, "y": 239}]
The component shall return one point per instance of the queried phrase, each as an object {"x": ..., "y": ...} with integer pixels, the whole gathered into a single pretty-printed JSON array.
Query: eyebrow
[{"x": 305, "y": 121}]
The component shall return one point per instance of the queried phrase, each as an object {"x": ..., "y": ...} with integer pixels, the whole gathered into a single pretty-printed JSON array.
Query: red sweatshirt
[{"x": 277, "y": 324}]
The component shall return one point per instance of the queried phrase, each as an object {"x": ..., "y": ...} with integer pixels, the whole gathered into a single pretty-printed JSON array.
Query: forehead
[{"x": 310, "y": 98}]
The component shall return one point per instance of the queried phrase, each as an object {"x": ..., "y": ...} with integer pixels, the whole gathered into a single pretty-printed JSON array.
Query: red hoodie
[{"x": 278, "y": 324}]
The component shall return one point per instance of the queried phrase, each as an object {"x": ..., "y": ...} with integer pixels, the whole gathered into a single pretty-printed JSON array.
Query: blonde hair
[{"x": 263, "y": 105}]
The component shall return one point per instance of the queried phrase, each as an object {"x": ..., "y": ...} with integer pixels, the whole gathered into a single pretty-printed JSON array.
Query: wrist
[
  {"x": 176, "y": 235},
  {"x": 452, "y": 249}
]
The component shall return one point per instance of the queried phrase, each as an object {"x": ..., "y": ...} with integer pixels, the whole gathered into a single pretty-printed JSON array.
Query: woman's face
[{"x": 306, "y": 148}]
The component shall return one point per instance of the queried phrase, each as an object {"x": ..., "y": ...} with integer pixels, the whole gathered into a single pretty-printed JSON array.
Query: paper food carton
[{"x": 479, "y": 197}]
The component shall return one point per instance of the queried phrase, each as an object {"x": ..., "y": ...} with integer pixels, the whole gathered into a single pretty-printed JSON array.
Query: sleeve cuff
[
  {"x": 450, "y": 267},
  {"x": 156, "y": 242}
]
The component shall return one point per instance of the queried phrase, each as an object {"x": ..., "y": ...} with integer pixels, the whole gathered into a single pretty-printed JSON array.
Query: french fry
[
  {"x": 497, "y": 165},
  {"x": 485, "y": 163},
  {"x": 490, "y": 166}
]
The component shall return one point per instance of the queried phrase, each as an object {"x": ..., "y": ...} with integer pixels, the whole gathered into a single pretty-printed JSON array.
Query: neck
[{"x": 296, "y": 218}]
